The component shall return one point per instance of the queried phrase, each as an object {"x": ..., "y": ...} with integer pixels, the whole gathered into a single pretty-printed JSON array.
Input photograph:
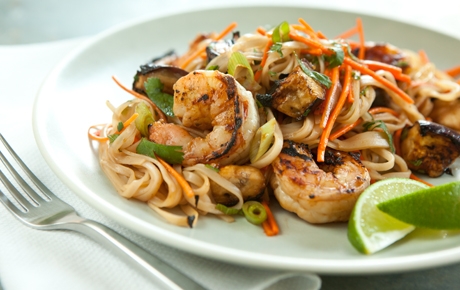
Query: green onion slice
[
  {"x": 281, "y": 33},
  {"x": 262, "y": 140},
  {"x": 240, "y": 69},
  {"x": 254, "y": 212},
  {"x": 144, "y": 119}
]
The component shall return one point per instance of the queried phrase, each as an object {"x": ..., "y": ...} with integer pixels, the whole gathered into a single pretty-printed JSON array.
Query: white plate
[{"x": 73, "y": 98}]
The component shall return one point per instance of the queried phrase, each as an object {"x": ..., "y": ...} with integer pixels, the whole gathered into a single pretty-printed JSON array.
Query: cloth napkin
[{"x": 33, "y": 259}]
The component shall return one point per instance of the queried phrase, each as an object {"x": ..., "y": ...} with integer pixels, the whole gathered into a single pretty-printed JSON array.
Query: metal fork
[{"x": 53, "y": 214}]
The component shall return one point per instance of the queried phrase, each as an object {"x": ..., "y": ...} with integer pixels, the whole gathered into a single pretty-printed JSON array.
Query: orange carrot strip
[
  {"x": 454, "y": 71},
  {"x": 198, "y": 52},
  {"x": 335, "y": 113},
  {"x": 104, "y": 139},
  {"x": 261, "y": 31},
  {"x": 270, "y": 225},
  {"x": 312, "y": 51},
  {"x": 348, "y": 33},
  {"x": 308, "y": 41},
  {"x": 226, "y": 31},
  {"x": 308, "y": 29},
  {"x": 139, "y": 96},
  {"x": 415, "y": 177},
  {"x": 397, "y": 141},
  {"x": 129, "y": 121},
  {"x": 362, "y": 49},
  {"x": 351, "y": 97},
  {"x": 264, "y": 59},
  {"x": 423, "y": 56},
  {"x": 377, "y": 110},
  {"x": 376, "y": 65},
  {"x": 394, "y": 70},
  {"x": 363, "y": 69},
  {"x": 180, "y": 179},
  {"x": 344, "y": 130},
  {"x": 329, "y": 102},
  {"x": 321, "y": 35},
  {"x": 95, "y": 136}
]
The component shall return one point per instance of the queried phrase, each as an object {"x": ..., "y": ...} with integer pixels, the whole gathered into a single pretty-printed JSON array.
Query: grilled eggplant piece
[
  {"x": 296, "y": 93},
  {"x": 384, "y": 52},
  {"x": 216, "y": 48},
  {"x": 430, "y": 148},
  {"x": 248, "y": 179},
  {"x": 168, "y": 76}
]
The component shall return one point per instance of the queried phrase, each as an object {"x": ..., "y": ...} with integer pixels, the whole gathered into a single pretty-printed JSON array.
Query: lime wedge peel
[
  {"x": 432, "y": 208},
  {"x": 369, "y": 229}
]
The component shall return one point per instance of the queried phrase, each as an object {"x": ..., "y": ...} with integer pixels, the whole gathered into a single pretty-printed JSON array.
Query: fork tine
[
  {"x": 24, "y": 185},
  {"x": 15, "y": 193},
  {"x": 29, "y": 173}
]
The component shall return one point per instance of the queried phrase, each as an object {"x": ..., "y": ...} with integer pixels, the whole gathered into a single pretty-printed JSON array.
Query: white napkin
[{"x": 33, "y": 259}]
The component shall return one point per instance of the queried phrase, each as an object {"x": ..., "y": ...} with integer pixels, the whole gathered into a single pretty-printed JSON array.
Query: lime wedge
[
  {"x": 432, "y": 208},
  {"x": 369, "y": 229}
]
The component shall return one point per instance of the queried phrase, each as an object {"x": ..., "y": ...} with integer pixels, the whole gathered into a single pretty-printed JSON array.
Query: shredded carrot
[
  {"x": 308, "y": 41},
  {"x": 312, "y": 51},
  {"x": 377, "y": 110},
  {"x": 308, "y": 29},
  {"x": 415, "y": 177},
  {"x": 397, "y": 141},
  {"x": 264, "y": 59},
  {"x": 344, "y": 130},
  {"x": 129, "y": 121},
  {"x": 270, "y": 225},
  {"x": 96, "y": 135},
  {"x": 104, "y": 139},
  {"x": 321, "y": 35},
  {"x": 362, "y": 49},
  {"x": 329, "y": 102},
  {"x": 423, "y": 56},
  {"x": 180, "y": 179},
  {"x": 376, "y": 65},
  {"x": 454, "y": 71},
  {"x": 363, "y": 69},
  {"x": 198, "y": 52},
  {"x": 140, "y": 96},
  {"x": 226, "y": 31},
  {"x": 261, "y": 31},
  {"x": 348, "y": 33},
  {"x": 351, "y": 97},
  {"x": 335, "y": 113},
  {"x": 394, "y": 70}
]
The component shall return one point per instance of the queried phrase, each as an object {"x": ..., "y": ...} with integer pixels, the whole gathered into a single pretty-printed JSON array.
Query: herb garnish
[
  {"x": 154, "y": 90},
  {"x": 170, "y": 154},
  {"x": 368, "y": 126}
]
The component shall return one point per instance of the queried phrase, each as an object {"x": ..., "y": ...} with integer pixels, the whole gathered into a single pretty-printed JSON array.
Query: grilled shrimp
[
  {"x": 318, "y": 192},
  {"x": 215, "y": 102}
]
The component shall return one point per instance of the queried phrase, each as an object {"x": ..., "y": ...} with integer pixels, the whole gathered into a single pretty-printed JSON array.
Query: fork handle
[{"x": 135, "y": 255}]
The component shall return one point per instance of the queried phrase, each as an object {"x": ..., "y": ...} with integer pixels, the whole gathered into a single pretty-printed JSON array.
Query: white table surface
[{"x": 34, "y": 36}]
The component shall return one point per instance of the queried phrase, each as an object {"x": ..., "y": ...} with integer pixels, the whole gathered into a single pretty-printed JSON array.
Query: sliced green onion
[
  {"x": 240, "y": 69},
  {"x": 144, "y": 119},
  {"x": 262, "y": 140},
  {"x": 254, "y": 212},
  {"x": 281, "y": 33},
  {"x": 228, "y": 210}
]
